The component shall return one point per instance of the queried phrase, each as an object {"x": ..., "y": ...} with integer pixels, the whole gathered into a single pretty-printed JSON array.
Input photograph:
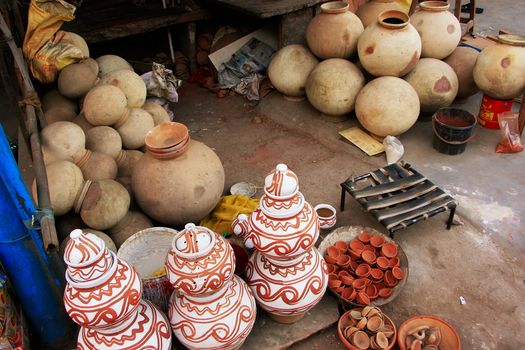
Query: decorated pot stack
[
  {"x": 103, "y": 295},
  {"x": 211, "y": 307},
  {"x": 286, "y": 273}
]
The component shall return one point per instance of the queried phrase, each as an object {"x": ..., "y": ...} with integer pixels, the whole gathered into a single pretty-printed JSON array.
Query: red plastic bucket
[{"x": 490, "y": 109}]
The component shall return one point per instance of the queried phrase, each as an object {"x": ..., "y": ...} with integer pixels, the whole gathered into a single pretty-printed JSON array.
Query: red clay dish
[
  {"x": 364, "y": 237},
  {"x": 377, "y": 241},
  {"x": 389, "y": 250}
]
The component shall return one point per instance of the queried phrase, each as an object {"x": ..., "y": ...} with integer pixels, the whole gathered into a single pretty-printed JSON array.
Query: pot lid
[
  {"x": 510, "y": 39},
  {"x": 193, "y": 242},
  {"x": 166, "y": 135},
  {"x": 281, "y": 183},
  {"x": 83, "y": 248}
]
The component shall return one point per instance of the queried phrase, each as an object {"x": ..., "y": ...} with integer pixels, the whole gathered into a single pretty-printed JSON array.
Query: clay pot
[
  {"x": 188, "y": 195},
  {"x": 334, "y": 32},
  {"x": 97, "y": 166},
  {"x": 65, "y": 181},
  {"x": 438, "y": 28},
  {"x": 62, "y": 141},
  {"x": 130, "y": 83},
  {"x": 462, "y": 61},
  {"x": 107, "y": 240},
  {"x": 435, "y": 82},
  {"x": 102, "y": 204},
  {"x": 387, "y": 106},
  {"x": 289, "y": 70},
  {"x": 286, "y": 288},
  {"x": 333, "y": 85},
  {"x": 105, "y": 105},
  {"x": 105, "y": 140},
  {"x": 111, "y": 63},
  {"x": 130, "y": 224},
  {"x": 53, "y": 99},
  {"x": 76, "y": 79},
  {"x": 133, "y": 127},
  {"x": 369, "y": 11},
  {"x": 81, "y": 121},
  {"x": 500, "y": 69},
  {"x": 327, "y": 216},
  {"x": 157, "y": 112},
  {"x": 59, "y": 114},
  {"x": 389, "y": 46},
  {"x": 389, "y": 250},
  {"x": 126, "y": 161}
]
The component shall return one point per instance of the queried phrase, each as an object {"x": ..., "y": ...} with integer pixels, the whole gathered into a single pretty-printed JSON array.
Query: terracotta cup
[{"x": 327, "y": 215}]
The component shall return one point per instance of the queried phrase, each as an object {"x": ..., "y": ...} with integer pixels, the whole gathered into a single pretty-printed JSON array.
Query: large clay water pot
[
  {"x": 111, "y": 63},
  {"x": 97, "y": 166},
  {"x": 104, "y": 105},
  {"x": 75, "y": 80},
  {"x": 59, "y": 114},
  {"x": 187, "y": 173},
  {"x": 133, "y": 222},
  {"x": 130, "y": 83},
  {"x": 289, "y": 70},
  {"x": 369, "y": 11},
  {"x": 500, "y": 69},
  {"x": 62, "y": 141},
  {"x": 81, "y": 121},
  {"x": 333, "y": 33},
  {"x": 104, "y": 139},
  {"x": 133, "y": 127},
  {"x": 126, "y": 161},
  {"x": 333, "y": 86},
  {"x": 53, "y": 99},
  {"x": 439, "y": 29},
  {"x": 387, "y": 106},
  {"x": 435, "y": 82},
  {"x": 157, "y": 112},
  {"x": 462, "y": 61},
  {"x": 389, "y": 46},
  {"x": 102, "y": 204}
]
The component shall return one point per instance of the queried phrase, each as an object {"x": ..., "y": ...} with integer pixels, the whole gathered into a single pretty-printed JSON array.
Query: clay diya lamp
[
  {"x": 330, "y": 260},
  {"x": 339, "y": 290},
  {"x": 383, "y": 263},
  {"x": 376, "y": 274},
  {"x": 363, "y": 270},
  {"x": 398, "y": 273},
  {"x": 389, "y": 279},
  {"x": 342, "y": 246},
  {"x": 354, "y": 255},
  {"x": 330, "y": 268},
  {"x": 367, "y": 281},
  {"x": 327, "y": 216},
  {"x": 371, "y": 291},
  {"x": 363, "y": 299},
  {"x": 353, "y": 265},
  {"x": 364, "y": 237},
  {"x": 349, "y": 293},
  {"x": 356, "y": 245},
  {"x": 368, "y": 256},
  {"x": 333, "y": 252},
  {"x": 375, "y": 323},
  {"x": 347, "y": 280},
  {"x": 360, "y": 340},
  {"x": 343, "y": 273},
  {"x": 335, "y": 283},
  {"x": 343, "y": 261},
  {"x": 359, "y": 284},
  {"x": 393, "y": 262},
  {"x": 385, "y": 292},
  {"x": 377, "y": 241},
  {"x": 369, "y": 248},
  {"x": 389, "y": 250},
  {"x": 379, "y": 285},
  {"x": 333, "y": 277}
]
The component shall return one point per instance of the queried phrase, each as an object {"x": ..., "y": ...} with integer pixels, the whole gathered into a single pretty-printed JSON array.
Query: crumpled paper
[{"x": 161, "y": 82}]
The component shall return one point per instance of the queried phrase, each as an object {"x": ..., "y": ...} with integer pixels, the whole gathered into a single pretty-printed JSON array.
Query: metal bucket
[{"x": 147, "y": 251}]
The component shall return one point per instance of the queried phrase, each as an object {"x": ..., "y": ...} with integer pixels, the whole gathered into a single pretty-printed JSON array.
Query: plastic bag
[
  {"x": 393, "y": 148},
  {"x": 509, "y": 141},
  {"x": 160, "y": 82},
  {"x": 45, "y": 55}
]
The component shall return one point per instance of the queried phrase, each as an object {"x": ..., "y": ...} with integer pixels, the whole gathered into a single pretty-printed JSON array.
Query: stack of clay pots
[
  {"x": 211, "y": 307},
  {"x": 103, "y": 295},
  {"x": 286, "y": 273}
]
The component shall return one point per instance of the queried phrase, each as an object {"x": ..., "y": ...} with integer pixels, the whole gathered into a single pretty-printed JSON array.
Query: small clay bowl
[
  {"x": 368, "y": 281},
  {"x": 342, "y": 246},
  {"x": 349, "y": 293},
  {"x": 353, "y": 265},
  {"x": 363, "y": 270},
  {"x": 363, "y": 298},
  {"x": 449, "y": 336},
  {"x": 376, "y": 274},
  {"x": 371, "y": 291},
  {"x": 347, "y": 280},
  {"x": 345, "y": 320},
  {"x": 393, "y": 262},
  {"x": 375, "y": 323},
  {"x": 335, "y": 283},
  {"x": 377, "y": 241},
  {"x": 359, "y": 284},
  {"x": 330, "y": 268},
  {"x": 356, "y": 245},
  {"x": 343, "y": 273},
  {"x": 330, "y": 260},
  {"x": 370, "y": 248},
  {"x": 327, "y": 216},
  {"x": 339, "y": 290},
  {"x": 379, "y": 285},
  {"x": 382, "y": 263},
  {"x": 354, "y": 255},
  {"x": 364, "y": 237},
  {"x": 333, "y": 251},
  {"x": 385, "y": 292},
  {"x": 368, "y": 256},
  {"x": 398, "y": 273},
  {"x": 389, "y": 250},
  {"x": 343, "y": 261},
  {"x": 166, "y": 135},
  {"x": 389, "y": 279},
  {"x": 333, "y": 276}
]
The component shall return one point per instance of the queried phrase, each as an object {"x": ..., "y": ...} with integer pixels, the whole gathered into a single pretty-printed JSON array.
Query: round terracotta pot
[
  {"x": 104, "y": 139},
  {"x": 111, "y": 63},
  {"x": 369, "y": 11},
  {"x": 389, "y": 46},
  {"x": 104, "y": 105},
  {"x": 133, "y": 127},
  {"x": 500, "y": 69},
  {"x": 333, "y": 33},
  {"x": 387, "y": 106},
  {"x": 130, "y": 224},
  {"x": 81, "y": 121},
  {"x": 53, "y": 99},
  {"x": 187, "y": 196},
  {"x": 439, "y": 29},
  {"x": 435, "y": 82},
  {"x": 289, "y": 69},
  {"x": 333, "y": 85},
  {"x": 59, "y": 114},
  {"x": 102, "y": 204},
  {"x": 97, "y": 166},
  {"x": 76, "y": 79},
  {"x": 157, "y": 112},
  {"x": 63, "y": 141},
  {"x": 130, "y": 83},
  {"x": 126, "y": 161},
  {"x": 462, "y": 61},
  {"x": 65, "y": 181}
]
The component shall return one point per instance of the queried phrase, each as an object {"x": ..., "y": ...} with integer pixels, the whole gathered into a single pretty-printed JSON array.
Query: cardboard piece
[{"x": 365, "y": 142}]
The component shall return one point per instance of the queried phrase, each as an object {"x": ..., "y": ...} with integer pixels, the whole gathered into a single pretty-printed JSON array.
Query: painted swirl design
[
  {"x": 286, "y": 290},
  {"x": 277, "y": 204},
  {"x": 148, "y": 331},
  {"x": 220, "y": 321},
  {"x": 203, "y": 275},
  {"x": 93, "y": 271},
  {"x": 278, "y": 180},
  {"x": 107, "y": 304},
  {"x": 82, "y": 249}
]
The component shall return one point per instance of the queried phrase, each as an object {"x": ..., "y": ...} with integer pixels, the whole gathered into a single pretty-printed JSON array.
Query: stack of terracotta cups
[
  {"x": 286, "y": 273},
  {"x": 103, "y": 295}
]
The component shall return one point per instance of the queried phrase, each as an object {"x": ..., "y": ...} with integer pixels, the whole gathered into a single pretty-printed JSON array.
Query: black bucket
[{"x": 452, "y": 130}]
